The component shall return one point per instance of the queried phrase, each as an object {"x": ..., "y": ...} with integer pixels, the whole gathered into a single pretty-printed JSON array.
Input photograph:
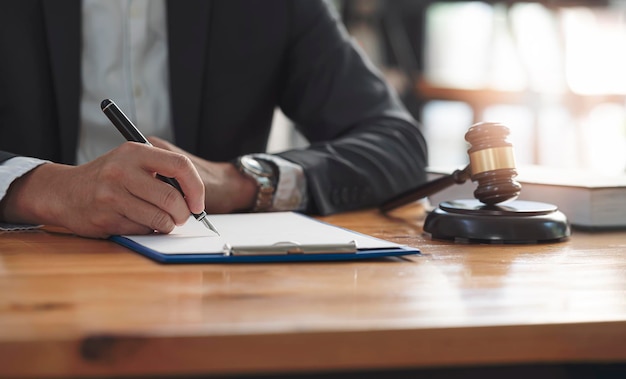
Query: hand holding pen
[{"x": 131, "y": 133}]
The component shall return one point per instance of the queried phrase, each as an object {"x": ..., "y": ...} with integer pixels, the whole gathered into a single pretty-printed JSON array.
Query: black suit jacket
[{"x": 231, "y": 63}]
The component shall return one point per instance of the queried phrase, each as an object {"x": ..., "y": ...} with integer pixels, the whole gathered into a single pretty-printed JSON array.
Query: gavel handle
[{"x": 429, "y": 188}]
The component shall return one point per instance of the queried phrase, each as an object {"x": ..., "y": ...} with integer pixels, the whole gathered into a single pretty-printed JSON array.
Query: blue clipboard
[
  {"x": 263, "y": 256},
  {"x": 248, "y": 238}
]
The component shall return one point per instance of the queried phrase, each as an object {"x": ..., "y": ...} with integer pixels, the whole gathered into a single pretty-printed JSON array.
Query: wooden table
[{"x": 78, "y": 307}]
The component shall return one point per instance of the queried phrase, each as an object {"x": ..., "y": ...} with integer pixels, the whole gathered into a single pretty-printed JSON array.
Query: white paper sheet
[{"x": 255, "y": 229}]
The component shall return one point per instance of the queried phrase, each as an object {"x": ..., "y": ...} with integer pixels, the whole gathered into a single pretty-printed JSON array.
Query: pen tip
[{"x": 209, "y": 226}]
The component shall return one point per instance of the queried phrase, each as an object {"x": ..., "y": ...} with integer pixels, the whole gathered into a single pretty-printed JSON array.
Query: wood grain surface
[{"x": 72, "y": 306}]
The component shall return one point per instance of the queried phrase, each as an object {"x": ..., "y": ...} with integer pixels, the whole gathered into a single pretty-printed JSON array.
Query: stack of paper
[{"x": 253, "y": 237}]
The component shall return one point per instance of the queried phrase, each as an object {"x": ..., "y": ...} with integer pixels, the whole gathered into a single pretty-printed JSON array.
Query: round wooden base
[{"x": 515, "y": 222}]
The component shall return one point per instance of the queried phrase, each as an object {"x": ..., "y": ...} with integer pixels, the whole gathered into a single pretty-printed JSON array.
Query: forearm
[
  {"x": 364, "y": 168},
  {"x": 12, "y": 171},
  {"x": 25, "y": 200}
]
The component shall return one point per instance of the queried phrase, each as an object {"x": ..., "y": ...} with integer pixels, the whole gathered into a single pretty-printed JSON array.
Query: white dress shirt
[{"x": 124, "y": 58}]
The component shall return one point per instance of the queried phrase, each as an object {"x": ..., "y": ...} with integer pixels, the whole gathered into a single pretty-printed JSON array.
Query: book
[
  {"x": 261, "y": 237},
  {"x": 590, "y": 200}
]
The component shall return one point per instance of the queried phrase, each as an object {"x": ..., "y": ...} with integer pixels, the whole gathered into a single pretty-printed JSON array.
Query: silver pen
[{"x": 131, "y": 133}]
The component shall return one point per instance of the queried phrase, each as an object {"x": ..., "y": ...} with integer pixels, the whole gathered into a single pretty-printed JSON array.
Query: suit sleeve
[
  {"x": 365, "y": 147},
  {"x": 5, "y": 156}
]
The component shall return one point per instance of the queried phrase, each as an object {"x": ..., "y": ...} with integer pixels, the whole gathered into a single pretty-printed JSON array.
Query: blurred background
[{"x": 553, "y": 71}]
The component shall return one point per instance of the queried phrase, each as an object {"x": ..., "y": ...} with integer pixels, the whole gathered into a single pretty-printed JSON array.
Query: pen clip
[{"x": 289, "y": 248}]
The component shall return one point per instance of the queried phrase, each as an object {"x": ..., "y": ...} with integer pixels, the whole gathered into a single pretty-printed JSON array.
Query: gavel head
[{"x": 492, "y": 163}]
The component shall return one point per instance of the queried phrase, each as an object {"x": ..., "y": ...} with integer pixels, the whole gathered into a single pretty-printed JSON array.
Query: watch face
[{"x": 256, "y": 166}]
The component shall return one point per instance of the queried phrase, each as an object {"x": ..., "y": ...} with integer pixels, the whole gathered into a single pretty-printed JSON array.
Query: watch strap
[{"x": 266, "y": 181}]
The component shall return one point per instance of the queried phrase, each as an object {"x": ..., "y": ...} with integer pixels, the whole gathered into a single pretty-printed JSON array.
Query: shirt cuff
[
  {"x": 10, "y": 170},
  {"x": 291, "y": 190}
]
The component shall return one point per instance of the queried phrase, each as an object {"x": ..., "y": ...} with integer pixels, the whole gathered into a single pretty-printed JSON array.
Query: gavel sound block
[{"x": 494, "y": 216}]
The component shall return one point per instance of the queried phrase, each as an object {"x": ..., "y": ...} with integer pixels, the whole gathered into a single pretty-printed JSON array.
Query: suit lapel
[
  {"x": 188, "y": 24},
  {"x": 64, "y": 36},
  {"x": 188, "y": 30}
]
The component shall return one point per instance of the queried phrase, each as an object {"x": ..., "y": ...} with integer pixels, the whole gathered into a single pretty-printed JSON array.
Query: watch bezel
[
  {"x": 265, "y": 175},
  {"x": 257, "y": 166}
]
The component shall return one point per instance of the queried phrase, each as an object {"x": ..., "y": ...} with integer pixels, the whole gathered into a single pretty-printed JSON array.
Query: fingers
[
  {"x": 145, "y": 215},
  {"x": 180, "y": 167},
  {"x": 195, "y": 161},
  {"x": 134, "y": 195},
  {"x": 129, "y": 189},
  {"x": 115, "y": 210}
]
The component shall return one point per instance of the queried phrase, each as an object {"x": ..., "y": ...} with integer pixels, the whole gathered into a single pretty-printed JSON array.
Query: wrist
[
  {"x": 244, "y": 189},
  {"x": 25, "y": 200}
]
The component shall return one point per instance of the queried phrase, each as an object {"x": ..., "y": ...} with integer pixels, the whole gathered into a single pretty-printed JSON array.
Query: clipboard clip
[{"x": 290, "y": 247}]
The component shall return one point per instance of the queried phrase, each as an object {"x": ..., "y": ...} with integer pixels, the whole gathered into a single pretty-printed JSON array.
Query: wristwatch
[{"x": 265, "y": 173}]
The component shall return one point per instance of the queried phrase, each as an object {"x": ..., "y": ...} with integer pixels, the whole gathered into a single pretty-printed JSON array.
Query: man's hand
[
  {"x": 118, "y": 193},
  {"x": 227, "y": 189}
]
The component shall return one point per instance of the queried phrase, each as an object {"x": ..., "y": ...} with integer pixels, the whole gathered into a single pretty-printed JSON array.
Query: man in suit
[{"x": 204, "y": 78}]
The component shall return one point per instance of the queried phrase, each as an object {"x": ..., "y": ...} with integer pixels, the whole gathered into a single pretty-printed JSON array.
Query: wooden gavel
[{"x": 492, "y": 166}]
